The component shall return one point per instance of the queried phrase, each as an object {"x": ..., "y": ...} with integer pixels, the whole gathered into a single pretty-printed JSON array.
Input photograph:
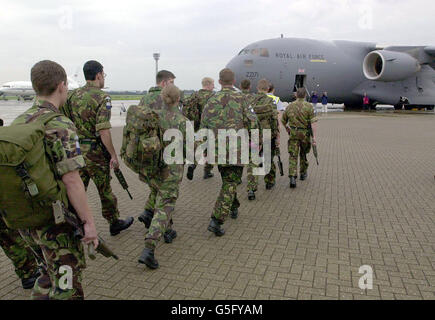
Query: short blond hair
[
  {"x": 171, "y": 95},
  {"x": 207, "y": 82},
  {"x": 263, "y": 85}
]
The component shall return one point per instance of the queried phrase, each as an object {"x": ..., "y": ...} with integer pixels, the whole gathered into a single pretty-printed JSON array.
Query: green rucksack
[
  {"x": 28, "y": 185},
  {"x": 264, "y": 112},
  {"x": 141, "y": 142}
]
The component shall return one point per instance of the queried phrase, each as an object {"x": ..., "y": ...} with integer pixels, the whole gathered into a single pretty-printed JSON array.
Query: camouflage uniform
[
  {"x": 163, "y": 179},
  {"x": 193, "y": 107},
  {"x": 262, "y": 104},
  {"x": 57, "y": 242},
  {"x": 228, "y": 109},
  {"x": 89, "y": 108},
  {"x": 18, "y": 251},
  {"x": 249, "y": 96},
  {"x": 296, "y": 119}
]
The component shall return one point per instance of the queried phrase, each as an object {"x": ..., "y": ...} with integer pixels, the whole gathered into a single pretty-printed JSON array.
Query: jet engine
[{"x": 385, "y": 65}]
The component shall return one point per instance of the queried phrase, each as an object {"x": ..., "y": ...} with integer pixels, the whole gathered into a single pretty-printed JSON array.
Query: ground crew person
[
  {"x": 154, "y": 101},
  {"x": 297, "y": 118},
  {"x": 277, "y": 100},
  {"x": 89, "y": 108},
  {"x": 58, "y": 243},
  {"x": 227, "y": 109},
  {"x": 164, "y": 179},
  {"x": 267, "y": 115},
  {"x": 192, "y": 109}
]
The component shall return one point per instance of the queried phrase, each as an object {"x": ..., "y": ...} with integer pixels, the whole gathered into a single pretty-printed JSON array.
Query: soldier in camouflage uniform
[
  {"x": 154, "y": 101},
  {"x": 22, "y": 257},
  {"x": 89, "y": 108},
  {"x": 192, "y": 109},
  {"x": 245, "y": 86},
  {"x": 16, "y": 249},
  {"x": 265, "y": 110},
  {"x": 164, "y": 179},
  {"x": 296, "y": 119},
  {"x": 58, "y": 243},
  {"x": 227, "y": 109}
]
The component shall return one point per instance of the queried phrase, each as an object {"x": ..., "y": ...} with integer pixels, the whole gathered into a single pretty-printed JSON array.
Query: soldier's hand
[
  {"x": 114, "y": 164},
  {"x": 90, "y": 234},
  {"x": 314, "y": 142}
]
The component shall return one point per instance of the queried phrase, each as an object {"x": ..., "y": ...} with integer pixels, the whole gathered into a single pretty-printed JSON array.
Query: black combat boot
[
  {"x": 215, "y": 227},
  {"x": 120, "y": 225},
  {"x": 234, "y": 213},
  {"x": 251, "y": 195},
  {"x": 293, "y": 182},
  {"x": 147, "y": 258},
  {"x": 146, "y": 217},
  {"x": 208, "y": 175},
  {"x": 269, "y": 186},
  {"x": 29, "y": 283},
  {"x": 303, "y": 176},
  {"x": 170, "y": 235}
]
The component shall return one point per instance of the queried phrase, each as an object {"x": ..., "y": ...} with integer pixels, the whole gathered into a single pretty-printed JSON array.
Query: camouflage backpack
[
  {"x": 28, "y": 185},
  {"x": 264, "y": 111},
  {"x": 141, "y": 142}
]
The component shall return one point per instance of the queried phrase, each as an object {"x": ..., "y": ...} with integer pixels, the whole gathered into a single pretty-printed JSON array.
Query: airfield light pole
[{"x": 157, "y": 57}]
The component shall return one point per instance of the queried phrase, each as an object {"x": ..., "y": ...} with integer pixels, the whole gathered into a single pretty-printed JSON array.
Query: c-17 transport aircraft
[{"x": 394, "y": 75}]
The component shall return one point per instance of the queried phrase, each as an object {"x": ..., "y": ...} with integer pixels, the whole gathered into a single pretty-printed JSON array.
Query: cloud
[{"x": 195, "y": 38}]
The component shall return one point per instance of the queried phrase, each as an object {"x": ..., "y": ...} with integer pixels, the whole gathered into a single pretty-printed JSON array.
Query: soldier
[
  {"x": 89, "y": 108},
  {"x": 22, "y": 257},
  {"x": 297, "y": 119},
  {"x": 192, "y": 109},
  {"x": 245, "y": 86},
  {"x": 227, "y": 109},
  {"x": 58, "y": 243},
  {"x": 164, "y": 179},
  {"x": 154, "y": 101},
  {"x": 265, "y": 110},
  {"x": 277, "y": 100}
]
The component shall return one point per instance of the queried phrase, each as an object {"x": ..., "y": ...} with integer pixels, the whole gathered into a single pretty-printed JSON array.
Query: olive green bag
[
  {"x": 141, "y": 142},
  {"x": 28, "y": 185}
]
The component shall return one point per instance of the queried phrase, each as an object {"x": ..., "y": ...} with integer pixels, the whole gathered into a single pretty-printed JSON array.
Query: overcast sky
[{"x": 195, "y": 38}]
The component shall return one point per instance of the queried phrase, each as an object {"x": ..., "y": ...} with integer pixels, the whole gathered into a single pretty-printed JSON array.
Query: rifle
[
  {"x": 310, "y": 130},
  {"x": 64, "y": 215},
  {"x": 278, "y": 154},
  {"x": 118, "y": 173}
]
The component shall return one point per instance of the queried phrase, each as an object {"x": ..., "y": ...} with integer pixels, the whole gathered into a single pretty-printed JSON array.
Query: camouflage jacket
[
  {"x": 228, "y": 109},
  {"x": 89, "y": 108},
  {"x": 299, "y": 114},
  {"x": 267, "y": 115},
  {"x": 152, "y": 99},
  {"x": 61, "y": 138},
  {"x": 249, "y": 96},
  {"x": 193, "y": 106}
]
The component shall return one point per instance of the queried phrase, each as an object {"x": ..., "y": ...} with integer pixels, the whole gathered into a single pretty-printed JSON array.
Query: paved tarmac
[{"x": 370, "y": 202}]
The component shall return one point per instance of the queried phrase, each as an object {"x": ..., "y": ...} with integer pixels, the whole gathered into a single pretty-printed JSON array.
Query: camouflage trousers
[
  {"x": 18, "y": 251},
  {"x": 269, "y": 178},
  {"x": 98, "y": 169},
  {"x": 298, "y": 147},
  {"x": 64, "y": 260},
  {"x": 164, "y": 184},
  {"x": 227, "y": 200}
]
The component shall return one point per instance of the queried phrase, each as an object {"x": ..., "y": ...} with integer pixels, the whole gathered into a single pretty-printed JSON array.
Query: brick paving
[{"x": 370, "y": 202}]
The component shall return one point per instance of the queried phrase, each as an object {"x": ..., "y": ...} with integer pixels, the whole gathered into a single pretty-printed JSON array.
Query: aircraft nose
[{"x": 236, "y": 65}]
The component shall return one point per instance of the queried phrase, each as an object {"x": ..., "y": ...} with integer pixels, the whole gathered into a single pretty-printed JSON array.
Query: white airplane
[{"x": 24, "y": 89}]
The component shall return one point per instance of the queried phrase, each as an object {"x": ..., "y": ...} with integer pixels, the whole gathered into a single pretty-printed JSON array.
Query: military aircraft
[
  {"x": 24, "y": 90},
  {"x": 402, "y": 76}
]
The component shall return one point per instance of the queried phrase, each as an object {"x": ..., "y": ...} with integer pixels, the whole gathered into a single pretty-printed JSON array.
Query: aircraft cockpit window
[
  {"x": 262, "y": 52},
  {"x": 6, "y": 86}
]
